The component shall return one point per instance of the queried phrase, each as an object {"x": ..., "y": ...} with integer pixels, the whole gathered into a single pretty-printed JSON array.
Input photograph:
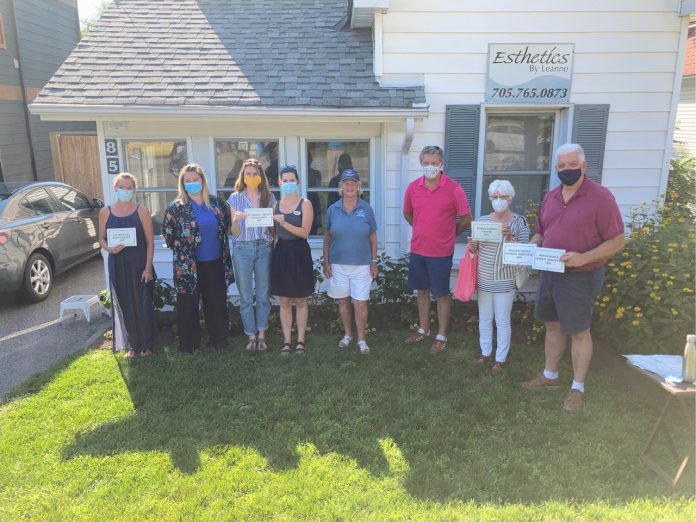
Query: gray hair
[
  {"x": 571, "y": 147},
  {"x": 502, "y": 186},
  {"x": 430, "y": 149},
  {"x": 360, "y": 188}
]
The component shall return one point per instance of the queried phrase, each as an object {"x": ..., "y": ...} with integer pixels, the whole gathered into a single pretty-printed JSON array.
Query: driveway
[{"x": 31, "y": 339}]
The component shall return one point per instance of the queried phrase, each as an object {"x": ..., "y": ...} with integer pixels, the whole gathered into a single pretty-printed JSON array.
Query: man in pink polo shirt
[
  {"x": 437, "y": 209},
  {"x": 582, "y": 218}
]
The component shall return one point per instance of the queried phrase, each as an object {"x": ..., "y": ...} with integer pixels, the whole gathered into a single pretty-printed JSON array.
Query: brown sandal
[
  {"x": 285, "y": 350},
  {"x": 299, "y": 348}
]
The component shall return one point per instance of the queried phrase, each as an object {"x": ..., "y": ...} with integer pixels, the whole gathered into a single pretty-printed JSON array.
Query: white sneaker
[
  {"x": 345, "y": 342},
  {"x": 364, "y": 349}
]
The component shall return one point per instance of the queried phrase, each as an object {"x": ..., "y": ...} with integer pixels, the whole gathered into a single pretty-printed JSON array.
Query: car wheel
[{"x": 38, "y": 278}]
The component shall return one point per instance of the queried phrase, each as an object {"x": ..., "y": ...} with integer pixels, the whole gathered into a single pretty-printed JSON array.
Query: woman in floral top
[{"x": 195, "y": 227}]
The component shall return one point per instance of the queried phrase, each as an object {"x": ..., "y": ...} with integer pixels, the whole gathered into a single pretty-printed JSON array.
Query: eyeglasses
[
  {"x": 493, "y": 198},
  {"x": 288, "y": 168}
]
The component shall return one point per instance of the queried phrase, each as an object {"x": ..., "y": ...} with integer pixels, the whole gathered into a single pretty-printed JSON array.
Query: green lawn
[{"x": 397, "y": 435}]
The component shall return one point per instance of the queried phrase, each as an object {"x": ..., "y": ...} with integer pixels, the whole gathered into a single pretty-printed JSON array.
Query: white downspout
[
  {"x": 405, "y": 179},
  {"x": 378, "y": 49}
]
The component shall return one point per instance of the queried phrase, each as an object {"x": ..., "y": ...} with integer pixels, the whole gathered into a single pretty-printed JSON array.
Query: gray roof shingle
[{"x": 273, "y": 53}]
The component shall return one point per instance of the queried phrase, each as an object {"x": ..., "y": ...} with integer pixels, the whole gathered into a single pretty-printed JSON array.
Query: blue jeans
[{"x": 252, "y": 260}]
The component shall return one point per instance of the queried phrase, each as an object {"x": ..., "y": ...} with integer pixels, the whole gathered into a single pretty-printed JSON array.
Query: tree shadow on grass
[{"x": 464, "y": 433}]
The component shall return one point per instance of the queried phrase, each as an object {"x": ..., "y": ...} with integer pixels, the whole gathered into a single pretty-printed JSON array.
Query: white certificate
[
  {"x": 548, "y": 259},
  {"x": 259, "y": 217},
  {"x": 487, "y": 231},
  {"x": 518, "y": 253},
  {"x": 121, "y": 236}
]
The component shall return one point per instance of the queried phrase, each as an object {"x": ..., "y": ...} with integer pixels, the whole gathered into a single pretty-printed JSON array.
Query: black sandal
[
  {"x": 285, "y": 350},
  {"x": 299, "y": 348}
]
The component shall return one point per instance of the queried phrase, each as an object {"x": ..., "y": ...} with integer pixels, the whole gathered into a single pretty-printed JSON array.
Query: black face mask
[{"x": 569, "y": 176}]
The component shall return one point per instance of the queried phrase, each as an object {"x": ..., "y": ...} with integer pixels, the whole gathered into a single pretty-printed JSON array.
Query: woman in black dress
[
  {"x": 131, "y": 276},
  {"x": 292, "y": 269}
]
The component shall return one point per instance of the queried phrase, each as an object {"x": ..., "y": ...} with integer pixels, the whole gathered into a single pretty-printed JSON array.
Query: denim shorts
[
  {"x": 568, "y": 298},
  {"x": 430, "y": 273}
]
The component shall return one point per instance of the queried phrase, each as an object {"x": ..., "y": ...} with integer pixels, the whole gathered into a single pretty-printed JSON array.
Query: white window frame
[
  {"x": 122, "y": 158},
  {"x": 317, "y": 241},
  {"x": 557, "y": 134},
  {"x": 213, "y": 178}
]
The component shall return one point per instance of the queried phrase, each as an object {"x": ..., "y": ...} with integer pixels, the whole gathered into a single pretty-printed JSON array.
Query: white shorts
[{"x": 350, "y": 280}]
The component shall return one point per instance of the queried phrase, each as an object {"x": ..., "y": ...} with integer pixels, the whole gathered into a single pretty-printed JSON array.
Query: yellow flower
[
  {"x": 605, "y": 299},
  {"x": 612, "y": 264},
  {"x": 636, "y": 308},
  {"x": 639, "y": 314},
  {"x": 633, "y": 276},
  {"x": 688, "y": 290},
  {"x": 669, "y": 283},
  {"x": 618, "y": 315},
  {"x": 675, "y": 312},
  {"x": 602, "y": 305},
  {"x": 614, "y": 290},
  {"x": 620, "y": 272},
  {"x": 656, "y": 270},
  {"x": 635, "y": 322}
]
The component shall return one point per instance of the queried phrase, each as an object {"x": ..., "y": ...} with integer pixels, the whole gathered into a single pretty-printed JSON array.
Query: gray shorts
[{"x": 568, "y": 298}]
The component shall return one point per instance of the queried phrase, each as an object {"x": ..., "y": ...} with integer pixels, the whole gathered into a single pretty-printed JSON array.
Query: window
[
  {"x": 40, "y": 202},
  {"x": 231, "y": 153},
  {"x": 3, "y": 43},
  {"x": 156, "y": 165},
  {"x": 70, "y": 199},
  {"x": 325, "y": 162},
  {"x": 518, "y": 149}
]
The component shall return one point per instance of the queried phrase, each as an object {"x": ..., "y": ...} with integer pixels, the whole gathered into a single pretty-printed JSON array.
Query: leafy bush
[{"x": 647, "y": 305}]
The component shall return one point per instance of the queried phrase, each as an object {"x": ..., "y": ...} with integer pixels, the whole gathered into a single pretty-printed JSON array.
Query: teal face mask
[
  {"x": 194, "y": 188},
  {"x": 124, "y": 195},
  {"x": 289, "y": 187}
]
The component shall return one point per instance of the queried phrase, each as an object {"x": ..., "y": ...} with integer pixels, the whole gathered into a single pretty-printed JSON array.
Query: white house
[{"x": 305, "y": 82}]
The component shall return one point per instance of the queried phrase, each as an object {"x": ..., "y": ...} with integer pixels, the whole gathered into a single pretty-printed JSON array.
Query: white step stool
[{"x": 79, "y": 302}]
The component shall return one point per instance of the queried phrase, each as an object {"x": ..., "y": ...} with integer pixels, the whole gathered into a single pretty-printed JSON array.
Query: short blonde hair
[
  {"x": 126, "y": 175},
  {"x": 183, "y": 195}
]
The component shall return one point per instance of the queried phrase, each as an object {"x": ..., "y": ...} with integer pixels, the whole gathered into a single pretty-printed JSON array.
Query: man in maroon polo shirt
[
  {"x": 582, "y": 218},
  {"x": 437, "y": 209}
]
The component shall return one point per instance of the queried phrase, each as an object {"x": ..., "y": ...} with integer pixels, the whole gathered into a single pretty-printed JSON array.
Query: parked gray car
[{"x": 45, "y": 229}]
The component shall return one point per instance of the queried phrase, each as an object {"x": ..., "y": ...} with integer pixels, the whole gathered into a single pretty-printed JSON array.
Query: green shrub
[{"x": 647, "y": 304}]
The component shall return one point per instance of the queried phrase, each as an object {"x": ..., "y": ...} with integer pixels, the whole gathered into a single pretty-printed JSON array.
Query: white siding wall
[
  {"x": 685, "y": 134},
  {"x": 626, "y": 54}
]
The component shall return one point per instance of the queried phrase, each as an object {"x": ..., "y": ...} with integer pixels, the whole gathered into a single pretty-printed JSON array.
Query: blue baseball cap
[{"x": 350, "y": 174}]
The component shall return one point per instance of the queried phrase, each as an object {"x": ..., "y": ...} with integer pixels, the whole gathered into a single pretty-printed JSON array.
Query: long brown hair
[{"x": 240, "y": 186}]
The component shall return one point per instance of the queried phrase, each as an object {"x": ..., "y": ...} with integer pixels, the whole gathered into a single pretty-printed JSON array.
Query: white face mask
[
  {"x": 430, "y": 171},
  {"x": 499, "y": 205}
]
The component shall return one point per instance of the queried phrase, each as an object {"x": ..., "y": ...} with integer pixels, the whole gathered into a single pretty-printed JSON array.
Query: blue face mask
[
  {"x": 124, "y": 195},
  {"x": 289, "y": 187},
  {"x": 194, "y": 188}
]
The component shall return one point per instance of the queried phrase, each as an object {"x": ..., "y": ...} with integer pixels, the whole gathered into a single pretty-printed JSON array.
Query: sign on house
[{"x": 529, "y": 73}]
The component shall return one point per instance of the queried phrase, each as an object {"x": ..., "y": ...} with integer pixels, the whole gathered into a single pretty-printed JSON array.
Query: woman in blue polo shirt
[{"x": 350, "y": 256}]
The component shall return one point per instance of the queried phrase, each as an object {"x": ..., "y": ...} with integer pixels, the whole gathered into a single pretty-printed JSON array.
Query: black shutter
[
  {"x": 461, "y": 147},
  {"x": 590, "y": 131}
]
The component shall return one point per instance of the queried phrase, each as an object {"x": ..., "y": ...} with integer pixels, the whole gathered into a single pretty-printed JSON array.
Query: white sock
[
  {"x": 422, "y": 331},
  {"x": 580, "y": 386},
  {"x": 440, "y": 337},
  {"x": 551, "y": 375}
]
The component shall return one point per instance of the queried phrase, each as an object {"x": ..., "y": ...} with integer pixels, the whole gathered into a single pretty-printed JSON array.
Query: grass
[{"x": 397, "y": 435}]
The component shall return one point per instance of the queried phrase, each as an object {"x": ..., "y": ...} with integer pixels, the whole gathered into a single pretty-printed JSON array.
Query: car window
[
  {"x": 71, "y": 199},
  {"x": 41, "y": 202}
]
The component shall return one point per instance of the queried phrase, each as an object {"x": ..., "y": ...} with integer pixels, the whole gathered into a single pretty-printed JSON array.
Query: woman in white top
[{"x": 495, "y": 280}]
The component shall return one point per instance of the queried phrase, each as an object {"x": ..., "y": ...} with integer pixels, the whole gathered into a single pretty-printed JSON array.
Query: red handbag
[{"x": 466, "y": 281}]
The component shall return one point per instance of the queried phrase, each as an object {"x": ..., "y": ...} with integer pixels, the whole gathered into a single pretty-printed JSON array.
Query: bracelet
[{"x": 374, "y": 260}]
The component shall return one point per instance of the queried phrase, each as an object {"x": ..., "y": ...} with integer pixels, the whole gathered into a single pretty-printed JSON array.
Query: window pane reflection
[
  {"x": 327, "y": 159},
  {"x": 155, "y": 164},
  {"x": 230, "y": 155},
  {"x": 157, "y": 203},
  {"x": 518, "y": 142}
]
